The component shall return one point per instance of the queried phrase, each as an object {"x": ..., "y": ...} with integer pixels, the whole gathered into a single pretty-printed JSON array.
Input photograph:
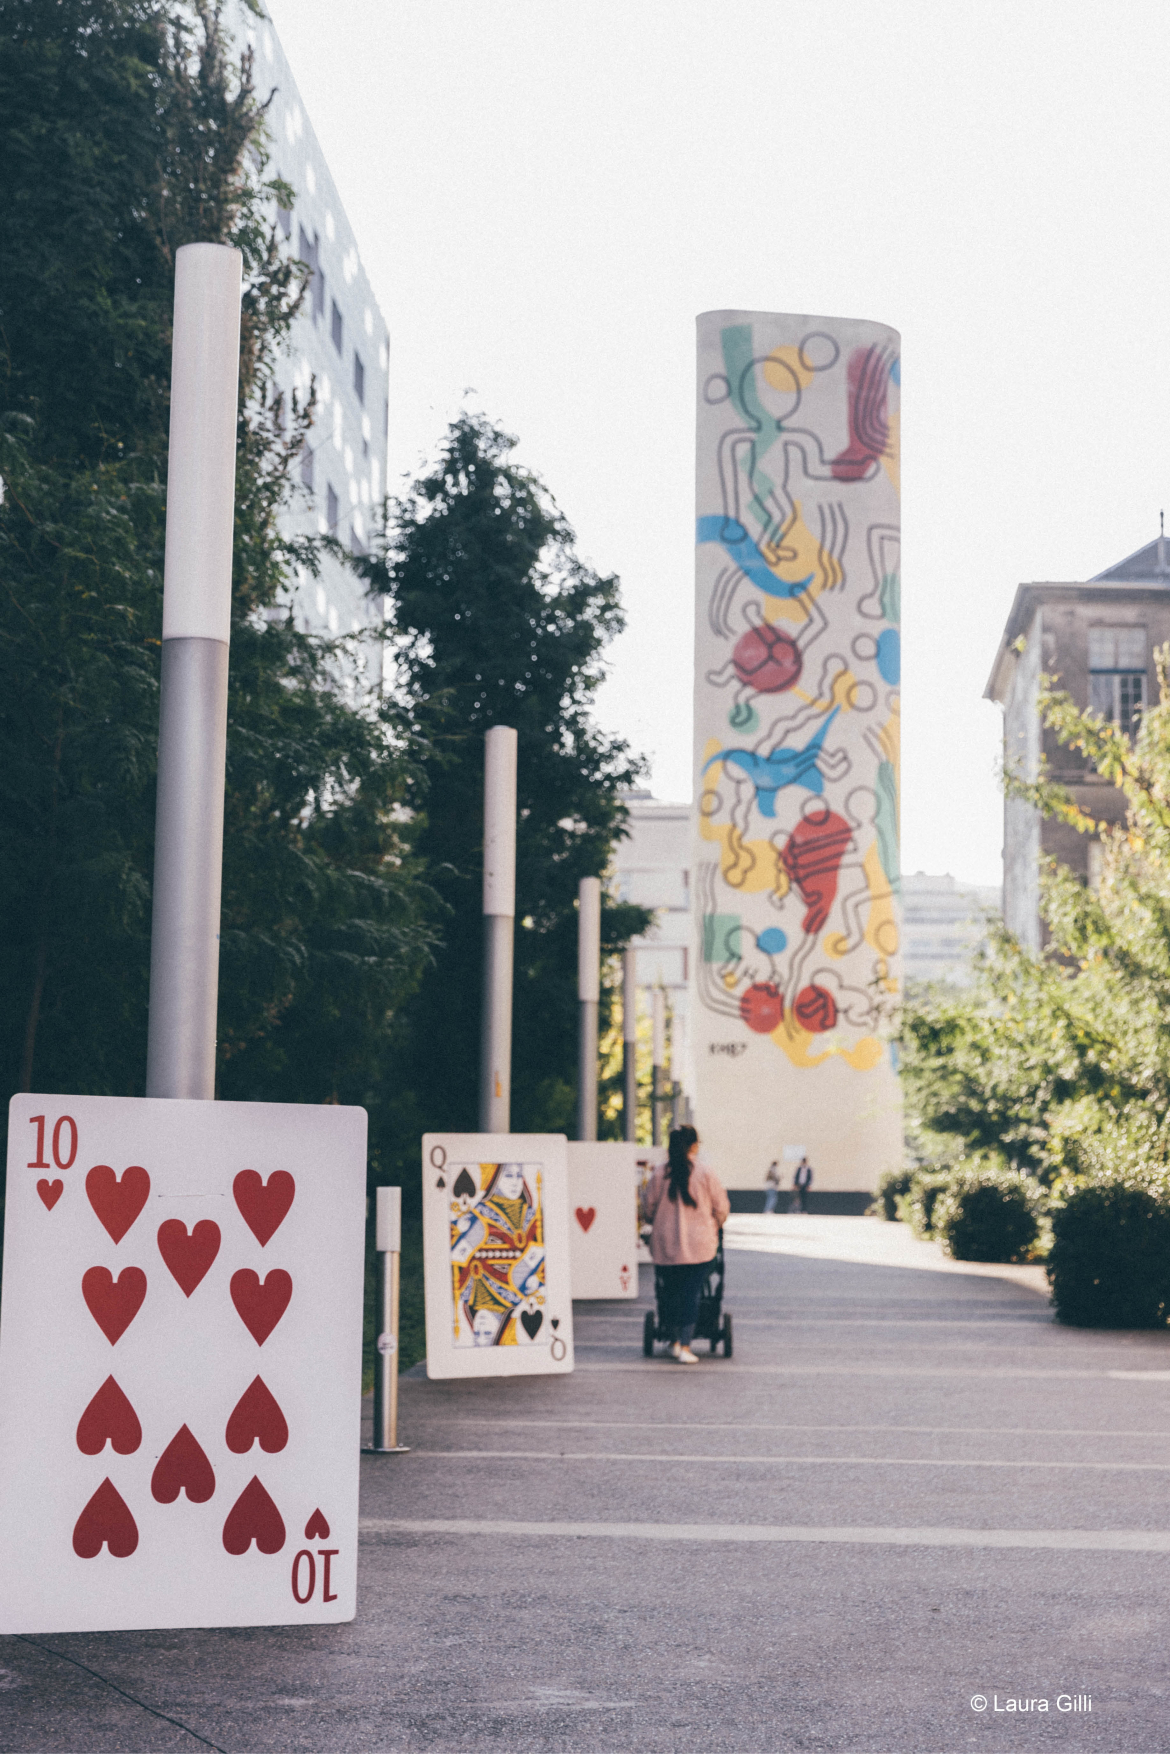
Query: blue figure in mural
[
  {"x": 770, "y": 774},
  {"x": 739, "y": 547}
]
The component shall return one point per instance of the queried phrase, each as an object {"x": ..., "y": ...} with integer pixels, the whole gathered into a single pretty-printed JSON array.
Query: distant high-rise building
[
  {"x": 1095, "y": 638},
  {"x": 339, "y": 339},
  {"x": 943, "y": 925}
]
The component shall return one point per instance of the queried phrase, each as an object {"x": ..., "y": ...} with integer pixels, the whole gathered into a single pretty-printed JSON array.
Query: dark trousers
[{"x": 679, "y": 1303}]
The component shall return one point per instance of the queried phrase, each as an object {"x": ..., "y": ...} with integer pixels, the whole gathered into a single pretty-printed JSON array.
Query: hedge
[
  {"x": 1110, "y": 1259},
  {"x": 986, "y": 1214}
]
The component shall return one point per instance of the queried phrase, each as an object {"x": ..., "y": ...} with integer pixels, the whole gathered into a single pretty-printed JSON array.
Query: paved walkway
[{"x": 908, "y": 1488}]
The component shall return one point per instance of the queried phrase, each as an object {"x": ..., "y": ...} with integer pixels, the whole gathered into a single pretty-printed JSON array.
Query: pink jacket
[{"x": 685, "y": 1235}]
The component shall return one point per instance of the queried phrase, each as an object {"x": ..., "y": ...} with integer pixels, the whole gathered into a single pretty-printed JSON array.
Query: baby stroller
[{"x": 714, "y": 1323}]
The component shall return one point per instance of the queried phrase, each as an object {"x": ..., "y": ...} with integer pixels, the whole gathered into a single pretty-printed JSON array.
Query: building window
[
  {"x": 331, "y": 508},
  {"x": 307, "y": 467},
  {"x": 1117, "y": 675},
  {"x": 335, "y": 326},
  {"x": 359, "y": 376},
  {"x": 309, "y": 250}
]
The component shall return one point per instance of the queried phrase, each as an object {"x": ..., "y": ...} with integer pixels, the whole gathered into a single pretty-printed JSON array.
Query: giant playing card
[
  {"x": 180, "y": 1363},
  {"x": 496, "y": 1254},
  {"x": 603, "y": 1219}
]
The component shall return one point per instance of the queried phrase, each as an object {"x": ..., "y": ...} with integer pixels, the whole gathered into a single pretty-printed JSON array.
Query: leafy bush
[
  {"x": 891, "y": 1183},
  {"x": 919, "y": 1202},
  {"x": 1110, "y": 1260},
  {"x": 988, "y": 1214}
]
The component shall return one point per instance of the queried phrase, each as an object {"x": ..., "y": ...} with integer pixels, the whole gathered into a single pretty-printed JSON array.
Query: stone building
[{"x": 1096, "y": 640}]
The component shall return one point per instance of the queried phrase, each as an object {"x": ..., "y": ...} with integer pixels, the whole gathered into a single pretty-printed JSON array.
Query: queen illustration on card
[{"x": 497, "y": 1252}]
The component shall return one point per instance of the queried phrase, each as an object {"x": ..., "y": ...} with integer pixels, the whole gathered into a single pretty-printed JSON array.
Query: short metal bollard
[{"x": 388, "y": 1243}]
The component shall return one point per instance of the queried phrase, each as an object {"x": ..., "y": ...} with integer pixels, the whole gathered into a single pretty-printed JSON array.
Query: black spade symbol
[
  {"x": 531, "y": 1320},
  {"x": 464, "y": 1184},
  {"x": 556, "y": 1321},
  {"x": 440, "y": 1183}
]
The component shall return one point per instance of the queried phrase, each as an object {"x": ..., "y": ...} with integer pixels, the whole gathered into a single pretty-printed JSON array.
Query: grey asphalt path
[{"x": 907, "y": 1489}]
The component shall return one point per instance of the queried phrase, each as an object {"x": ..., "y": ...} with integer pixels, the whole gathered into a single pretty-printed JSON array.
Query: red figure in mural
[
  {"x": 768, "y": 660},
  {"x": 869, "y": 426},
  {"x": 815, "y": 1009},
  {"x": 762, "y": 1007},
  {"x": 812, "y": 859}
]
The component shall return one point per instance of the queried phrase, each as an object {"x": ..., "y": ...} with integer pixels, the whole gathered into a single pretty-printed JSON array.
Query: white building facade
[{"x": 339, "y": 342}]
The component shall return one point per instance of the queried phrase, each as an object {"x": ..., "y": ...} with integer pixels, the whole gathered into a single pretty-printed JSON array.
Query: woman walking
[{"x": 686, "y": 1204}]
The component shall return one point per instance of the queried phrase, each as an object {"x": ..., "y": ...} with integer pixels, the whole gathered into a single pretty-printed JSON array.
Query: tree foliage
[
  {"x": 1060, "y": 1063},
  {"x": 127, "y": 132},
  {"x": 497, "y": 621}
]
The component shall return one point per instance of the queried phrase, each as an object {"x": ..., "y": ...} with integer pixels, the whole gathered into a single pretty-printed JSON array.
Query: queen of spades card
[{"x": 498, "y": 1274}]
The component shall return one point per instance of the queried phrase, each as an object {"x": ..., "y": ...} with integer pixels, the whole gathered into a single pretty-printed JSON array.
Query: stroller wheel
[
  {"x": 726, "y": 1337},
  {"x": 648, "y": 1327}
]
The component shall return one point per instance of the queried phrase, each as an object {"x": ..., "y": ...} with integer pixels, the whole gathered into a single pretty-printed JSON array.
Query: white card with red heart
[
  {"x": 496, "y": 1254},
  {"x": 180, "y": 1363},
  {"x": 603, "y": 1219}
]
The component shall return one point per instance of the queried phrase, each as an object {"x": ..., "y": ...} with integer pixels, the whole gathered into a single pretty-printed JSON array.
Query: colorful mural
[{"x": 797, "y": 746}]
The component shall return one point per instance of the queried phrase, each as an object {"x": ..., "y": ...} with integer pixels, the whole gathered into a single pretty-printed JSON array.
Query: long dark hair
[{"x": 681, "y": 1140}]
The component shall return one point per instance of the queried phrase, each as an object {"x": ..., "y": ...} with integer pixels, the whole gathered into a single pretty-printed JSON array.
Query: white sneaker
[
  {"x": 685, "y": 1355},
  {"x": 675, "y": 1349}
]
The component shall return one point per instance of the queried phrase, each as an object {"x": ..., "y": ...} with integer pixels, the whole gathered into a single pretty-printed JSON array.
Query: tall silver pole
[
  {"x": 658, "y": 1064},
  {"x": 192, "y": 744},
  {"x": 589, "y": 997},
  {"x": 630, "y": 1045},
  {"x": 388, "y": 1244},
  {"x": 499, "y": 908}
]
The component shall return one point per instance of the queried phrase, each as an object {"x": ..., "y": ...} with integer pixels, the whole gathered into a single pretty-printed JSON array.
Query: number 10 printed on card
[{"x": 498, "y": 1297}]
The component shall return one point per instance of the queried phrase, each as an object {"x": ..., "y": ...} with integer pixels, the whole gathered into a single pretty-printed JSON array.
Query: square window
[
  {"x": 359, "y": 377},
  {"x": 331, "y": 508},
  {"x": 335, "y": 326}
]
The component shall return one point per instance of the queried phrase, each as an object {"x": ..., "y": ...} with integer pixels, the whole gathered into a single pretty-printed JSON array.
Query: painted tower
[{"x": 797, "y": 662}]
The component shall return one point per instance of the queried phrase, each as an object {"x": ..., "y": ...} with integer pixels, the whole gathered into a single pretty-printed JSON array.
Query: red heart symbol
[
  {"x": 256, "y": 1415},
  {"x": 261, "y": 1306},
  {"x": 586, "y": 1215},
  {"x": 188, "y": 1257},
  {"x": 117, "y": 1202},
  {"x": 50, "y": 1192},
  {"x": 105, "y": 1518},
  {"x": 113, "y": 1303},
  {"x": 253, "y": 1517},
  {"x": 317, "y": 1529},
  {"x": 109, "y": 1417},
  {"x": 264, "y": 1208},
  {"x": 182, "y": 1465}
]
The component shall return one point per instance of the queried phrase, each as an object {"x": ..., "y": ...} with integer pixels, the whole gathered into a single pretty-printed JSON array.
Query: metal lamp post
[
  {"x": 589, "y": 998},
  {"x": 192, "y": 746},
  {"x": 630, "y": 1045},
  {"x": 499, "y": 909}
]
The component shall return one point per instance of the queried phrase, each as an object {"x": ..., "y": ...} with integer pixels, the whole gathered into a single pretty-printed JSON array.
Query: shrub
[
  {"x": 891, "y": 1183},
  {"x": 1110, "y": 1260},
  {"x": 925, "y": 1188},
  {"x": 988, "y": 1214}
]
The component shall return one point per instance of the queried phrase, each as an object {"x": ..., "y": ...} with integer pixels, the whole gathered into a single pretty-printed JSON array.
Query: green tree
[
  {"x": 1060, "y": 1063},
  {"x": 126, "y": 132},
  {"x": 497, "y": 621}
]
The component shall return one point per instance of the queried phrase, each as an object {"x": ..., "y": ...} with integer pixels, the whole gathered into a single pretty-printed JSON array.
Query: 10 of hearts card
[
  {"x": 180, "y": 1363},
  {"x": 603, "y": 1218},
  {"x": 496, "y": 1254}
]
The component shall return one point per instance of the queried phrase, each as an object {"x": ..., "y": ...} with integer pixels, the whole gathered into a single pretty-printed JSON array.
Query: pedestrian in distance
[
  {"x": 772, "y": 1187},
  {"x": 801, "y": 1183},
  {"x": 686, "y": 1205}
]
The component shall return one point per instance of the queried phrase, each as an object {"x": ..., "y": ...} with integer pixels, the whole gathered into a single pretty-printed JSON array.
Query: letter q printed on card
[
  {"x": 180, "y": 1363},
  {"x": 496, "y": 1253}
]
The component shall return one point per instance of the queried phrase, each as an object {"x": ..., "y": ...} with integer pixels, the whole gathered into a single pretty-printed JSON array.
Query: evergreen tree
[
  {"x": 497, "y": 621},
  {"x": 125, "y": 132}
]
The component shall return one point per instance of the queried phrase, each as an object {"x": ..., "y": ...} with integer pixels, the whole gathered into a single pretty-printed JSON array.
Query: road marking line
[
  {"x": 530, "y": 1455},
  {"x": 744, "y": 1425},
  {"x": 1062, "y": 1540},
  {"x": 729, "y": 1368}
]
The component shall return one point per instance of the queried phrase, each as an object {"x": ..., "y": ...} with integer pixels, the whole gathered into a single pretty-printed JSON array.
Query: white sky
[{"x": 546, "y": 194}]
